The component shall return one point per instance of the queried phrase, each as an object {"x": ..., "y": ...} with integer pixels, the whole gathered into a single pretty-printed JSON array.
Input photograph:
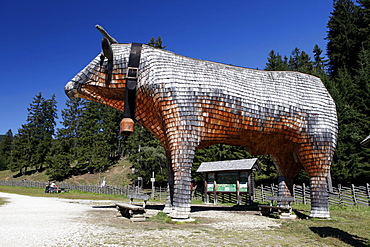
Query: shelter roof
[{"x": 229, "y": 165}]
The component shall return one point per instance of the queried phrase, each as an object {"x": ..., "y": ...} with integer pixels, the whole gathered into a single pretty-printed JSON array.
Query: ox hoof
[{"x": 320, "y": 214}]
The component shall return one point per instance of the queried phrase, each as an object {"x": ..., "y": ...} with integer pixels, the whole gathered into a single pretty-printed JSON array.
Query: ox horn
[
  {"x": 106, "y": 35},
  {"x": 107, "y": 49}
]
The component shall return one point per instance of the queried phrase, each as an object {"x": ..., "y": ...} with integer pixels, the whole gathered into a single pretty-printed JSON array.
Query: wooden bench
[
  {"x": 144, "y": 197},
  {"x": 285, "y": 210},
  {"x": 133, "y": 212}
]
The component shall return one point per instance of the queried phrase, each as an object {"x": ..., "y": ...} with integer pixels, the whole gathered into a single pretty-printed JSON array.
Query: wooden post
[
  {"x": 206, "y": 197},
  {"x": 354, "y": 194},
  {"x": 251, "y": 192},
  {"x": 262, "y": 193},
  {"x": 368, "y": 192},
  {"x": 340, "y": 193},
  {"x": 238, "y": 198},
  {"x": 215, "y": 197},
  {"x": 272, "y": 189},
  {"x": 293, "y": 193}
]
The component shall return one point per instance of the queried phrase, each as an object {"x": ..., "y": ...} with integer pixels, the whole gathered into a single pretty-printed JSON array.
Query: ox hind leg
[
  {"x": 288, "y": 166},
  {"x": 316, "y": 160}
]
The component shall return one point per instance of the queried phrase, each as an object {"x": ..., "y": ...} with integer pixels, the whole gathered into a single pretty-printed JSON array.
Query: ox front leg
[{"x": 182, "y": 159}]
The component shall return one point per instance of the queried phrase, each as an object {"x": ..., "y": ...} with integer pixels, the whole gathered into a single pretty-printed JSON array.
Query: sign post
[{"x": 152, "y": 179}]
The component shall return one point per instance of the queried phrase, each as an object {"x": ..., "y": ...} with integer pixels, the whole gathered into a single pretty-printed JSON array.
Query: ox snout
[{"x": 71, "y": 90}]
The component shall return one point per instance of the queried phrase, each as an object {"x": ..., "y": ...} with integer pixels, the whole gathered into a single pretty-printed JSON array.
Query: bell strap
[{"x": 131, "y": 83}]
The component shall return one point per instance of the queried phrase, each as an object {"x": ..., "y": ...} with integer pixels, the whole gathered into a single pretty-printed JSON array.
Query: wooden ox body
[{"x": 190, "y": 104}]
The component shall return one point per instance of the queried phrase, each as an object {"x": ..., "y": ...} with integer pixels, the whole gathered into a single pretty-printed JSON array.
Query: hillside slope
[{"x": 115, "y": 176}]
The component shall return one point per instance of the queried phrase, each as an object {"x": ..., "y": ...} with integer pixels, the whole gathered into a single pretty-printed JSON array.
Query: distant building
[{"x": 231, "y": 176}]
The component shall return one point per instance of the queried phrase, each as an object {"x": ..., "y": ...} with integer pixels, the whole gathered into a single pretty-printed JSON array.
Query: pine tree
[
  {"x": 5, "y": 150},
  {"x": 300, "y": 61},
  {"x": 98, "y": 141},
  {"x": 361, "y": 98},
  {"x": 276, "y": 63},
  {"x": 63, "y": 150},
  {"x": 33, "y": 141},
  {"x": 343, "y": 37},
  {"x": 348, "y": 51},
  {"x": 319, "y": 64},
  {"x": 22, "y": 151},
  {"x": 157, "y": 43}
]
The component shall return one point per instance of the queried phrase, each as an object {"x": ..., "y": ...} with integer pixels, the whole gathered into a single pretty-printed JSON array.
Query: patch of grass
[
  {"x": 348, "y": 225},
  {"x": 2, "y": 201},
  {"x": 160, "y": 218}
]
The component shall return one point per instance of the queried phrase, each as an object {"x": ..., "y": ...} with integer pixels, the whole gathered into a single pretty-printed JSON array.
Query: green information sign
[{"x": 226, "y": 187}]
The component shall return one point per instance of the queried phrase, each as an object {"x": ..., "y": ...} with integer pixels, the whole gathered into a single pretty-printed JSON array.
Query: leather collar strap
[{"x": 131, "y": 83}]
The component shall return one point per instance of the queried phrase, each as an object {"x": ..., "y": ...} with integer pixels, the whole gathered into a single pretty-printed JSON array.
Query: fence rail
[{"x": 353, "y": 195}]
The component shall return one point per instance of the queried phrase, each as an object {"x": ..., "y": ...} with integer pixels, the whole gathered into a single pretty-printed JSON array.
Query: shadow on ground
[
  {"x": 343, "y": 236},
  {"x": 301, "y": 214},
  {"x": 198, "y": 208}
]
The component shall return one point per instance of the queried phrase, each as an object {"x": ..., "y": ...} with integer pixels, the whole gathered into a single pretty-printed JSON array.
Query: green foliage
[
  {"x": 98, "y": 138},
  {"x": 63, "y": 149},
  {"x": 276, "y": 63},
  {"x": 348, "y": 83},
  {"x": 31, "y": 145},
  {"x": 349, "y": 54},
  {"x": 5, "y": 150},
  {"x": 149, "y": 160},
  {"x": 343, "y": 36},
  {"x": 157, "y": 43},
  {"x": 160, "y": 218}
]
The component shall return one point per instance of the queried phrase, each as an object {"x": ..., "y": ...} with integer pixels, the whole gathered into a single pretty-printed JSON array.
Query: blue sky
[{"x": 45, "y": 43}]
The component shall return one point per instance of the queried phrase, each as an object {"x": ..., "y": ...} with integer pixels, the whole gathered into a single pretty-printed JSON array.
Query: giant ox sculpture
[{"x": 190, "y": 104}]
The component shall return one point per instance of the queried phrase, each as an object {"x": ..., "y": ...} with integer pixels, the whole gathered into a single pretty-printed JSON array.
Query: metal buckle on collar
[{"x": 132, "y": 73}]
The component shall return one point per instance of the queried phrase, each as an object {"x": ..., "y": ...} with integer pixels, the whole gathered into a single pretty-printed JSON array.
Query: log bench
[
  {"x": 133, "y": 212},
  {"x": 285, "y": 211}
]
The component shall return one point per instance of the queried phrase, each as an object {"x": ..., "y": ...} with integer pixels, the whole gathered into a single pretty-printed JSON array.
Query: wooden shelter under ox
[
  {"x": 190, "y": 104},
  {"x": 230, "y": 176}
]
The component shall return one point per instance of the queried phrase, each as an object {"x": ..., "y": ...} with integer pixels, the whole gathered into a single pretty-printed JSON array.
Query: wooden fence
[
  {"x": 353, "y": 195},
  {"x": 86, "y": 188}
]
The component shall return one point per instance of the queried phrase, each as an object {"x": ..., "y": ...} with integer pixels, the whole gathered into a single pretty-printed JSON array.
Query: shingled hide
[{"x": 190, "y": 104}]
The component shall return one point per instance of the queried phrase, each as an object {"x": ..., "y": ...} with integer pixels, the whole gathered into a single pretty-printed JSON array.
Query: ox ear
[{"x": 107, "y": 49}]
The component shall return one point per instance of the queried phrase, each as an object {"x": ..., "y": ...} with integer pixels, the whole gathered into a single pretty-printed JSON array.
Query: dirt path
[{"x": 46, "y": 221}]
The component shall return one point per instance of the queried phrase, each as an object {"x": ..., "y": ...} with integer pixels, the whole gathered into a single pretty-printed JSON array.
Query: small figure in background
[
  {"x": 52, "y": 187},
  {"x": 47, "y": 187}
]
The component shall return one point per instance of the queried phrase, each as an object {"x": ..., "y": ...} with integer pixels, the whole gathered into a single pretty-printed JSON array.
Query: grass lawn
[{"x": 348, "y": 226}]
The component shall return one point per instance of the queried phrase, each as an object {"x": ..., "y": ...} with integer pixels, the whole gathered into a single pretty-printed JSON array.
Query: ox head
[{"x": 104, "y": 79}]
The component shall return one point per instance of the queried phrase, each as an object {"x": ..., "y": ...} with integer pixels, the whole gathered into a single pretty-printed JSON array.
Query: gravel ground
[{"x": 50, "y": 221}]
